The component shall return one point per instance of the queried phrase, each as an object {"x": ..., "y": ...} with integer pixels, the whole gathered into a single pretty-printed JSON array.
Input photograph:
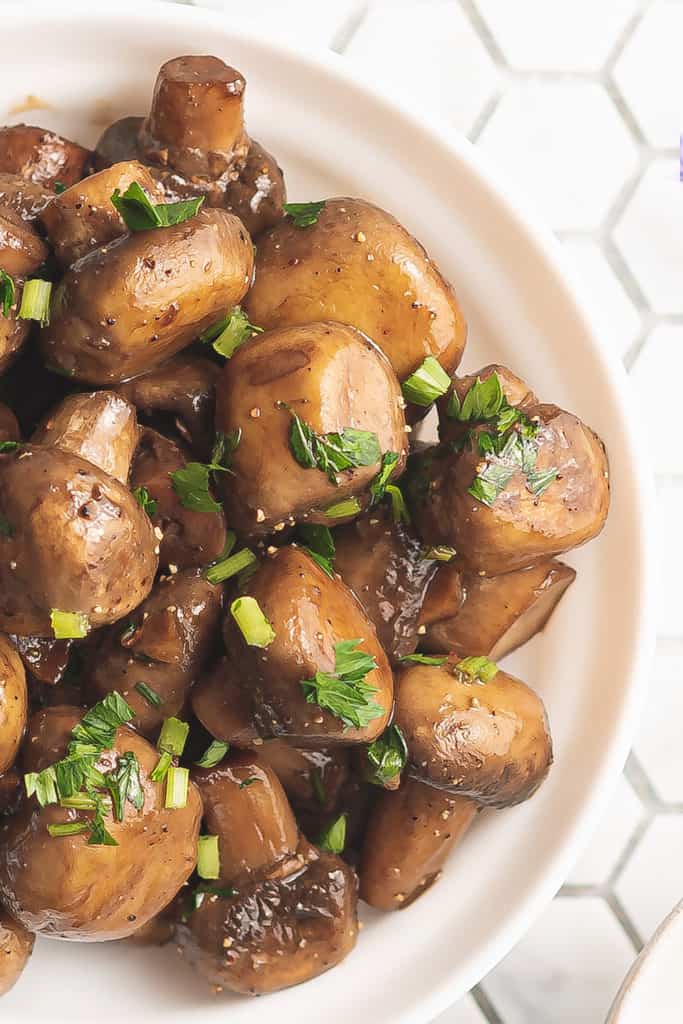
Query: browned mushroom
[
  {"x": 486, "y": 739},
  {"x": 190, "y": 538},
  {"x": 410, "y": 834},
  {"x": 154, "y": 656},
  {"x": 41, "y": 156},
  {"x": 310, "y": 615},
  {"x": 491, "y": 616},
  {"x": 84, "y": 217},
  {"x": 385, "y": 566}
]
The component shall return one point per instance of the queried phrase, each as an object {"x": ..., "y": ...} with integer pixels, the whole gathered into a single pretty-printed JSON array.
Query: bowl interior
[{"x": 333, "y": 136}]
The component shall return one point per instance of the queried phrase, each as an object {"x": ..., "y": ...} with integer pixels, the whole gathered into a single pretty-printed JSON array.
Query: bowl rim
[
  {"x": 630, "y": 987},
  {"x": 414, "y": 119}
]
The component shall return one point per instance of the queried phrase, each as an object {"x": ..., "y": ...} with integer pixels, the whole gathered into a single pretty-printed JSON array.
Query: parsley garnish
[
  {"x": 304, "y": 214},
  {"x": 223, "y": 447},
  {"x": 319, "y": 545},
  {"x": 140, "y": 214},
  {"x": 6, "y": 528},
  {"x": 379, "y": 484},
  {"x": 228, "y": 334},
  {"x": 484, "y": 401},
  {"x": 8, "y": 446},
  {"x": 333, "y": 838},
  {"x": 191, "y": 484},
  {"x": 7, "y": 292},
  {"x": 124, "y": 785},
  {"x": 387, "y": 756},
  {"x": 74, "y": 781},
  {"x": 344, "y": 692},
  {"x": 334, "y": 452},
  {"x": 506, "y": 454},
  {"x": 147, "y": 504},
  {"x": 478, "y": 668}
]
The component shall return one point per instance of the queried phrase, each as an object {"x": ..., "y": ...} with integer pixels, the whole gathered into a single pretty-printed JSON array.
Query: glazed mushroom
[
  {"x": 21, "y": 253},
  {"x": 310, "y": 615},
  {"x": 534, "y": 497},
  {"x": 76, "y": 541},
  {"x": 9, "y": 427},
  {"x": 21, "y": 249},
  {"x": 154, "y": 656},
  {"x": 385, "y": 566},
  {"x": 223, "y": 706},
  {"x": 62, "y": 886},
  {"x": 491, "y": 616},
  {"x": 41, "y": 156},
  {"x": 183, "y": 387},
  {"x": 294, "y": 914},
  {"x": 83, "y": 217},
  {"x": 16, "y": 946},
  {"x": 410, "y": 834},
  {"x": 24, "y": 197},
  {"x": 190, "y": 538},
  {"x": 515, "y": 391},
  {"x": 335, "y": 381},
  {"x": 357, "y": 264},
  {"x": 47, "y": 660},
  {"x": 254, "y": 191},
  {"x": 100, "y": 427},
  {"x": 13, "y": 703},
  {"x": 483, "y": 738},
  {"x": 196, "y": 123},
  {"x": 134, "y": 302},
  {"x": 246, "y": 807}
]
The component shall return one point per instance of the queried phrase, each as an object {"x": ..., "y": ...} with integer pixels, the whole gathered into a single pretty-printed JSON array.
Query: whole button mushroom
[
  {"x": 281, "y": 911},
  {"x": 318, "y": 642},
  {"x": 473, "y": 730},
  {"x": 76, "y": 541},
  {"x": 128, "y": 305},
  {"x": 190, "y": 538},
  {"x": 59, "y": 884},
  {"x": 322, "y": 377},
  {"x": 154, "y": 656},
  {"x": 100, "y": 427},
  {"x": 357, "y": 264},
  {"x": 410, "y": 834},
  {"x": 83, "y": 217}
]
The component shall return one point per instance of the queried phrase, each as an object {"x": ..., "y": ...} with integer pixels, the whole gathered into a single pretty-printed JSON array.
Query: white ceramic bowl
[
  {"x": 652, "y": 992},
  {"x": 335, "y": 134}
]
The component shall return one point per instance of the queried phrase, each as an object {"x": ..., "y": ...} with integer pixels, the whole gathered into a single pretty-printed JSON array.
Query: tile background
[{"x": 579, "y": 101}]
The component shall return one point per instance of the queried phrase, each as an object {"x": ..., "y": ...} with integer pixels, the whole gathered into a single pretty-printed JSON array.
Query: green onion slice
[{"x": 252, "y": 623}]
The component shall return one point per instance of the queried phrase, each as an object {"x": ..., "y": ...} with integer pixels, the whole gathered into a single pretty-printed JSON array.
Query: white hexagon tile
[{"x": 580, "y": 103}]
